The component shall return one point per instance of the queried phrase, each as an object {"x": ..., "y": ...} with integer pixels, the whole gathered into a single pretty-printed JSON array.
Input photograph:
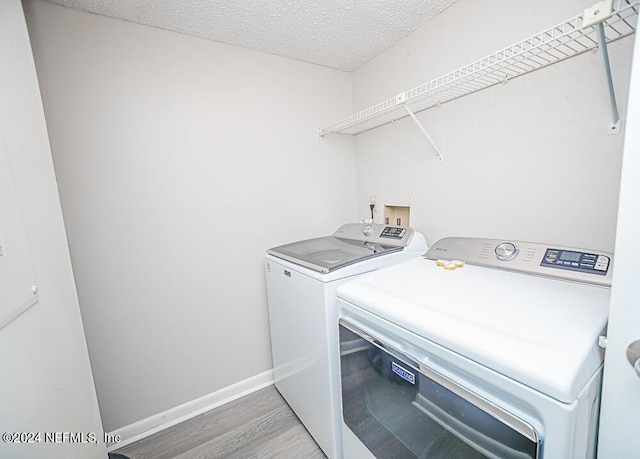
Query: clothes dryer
[{"x": 482, "y": 348}]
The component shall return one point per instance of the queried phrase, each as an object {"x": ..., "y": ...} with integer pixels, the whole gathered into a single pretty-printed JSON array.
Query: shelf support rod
[
  {"x": 614, "y": 128},
  {"x": 424, "y": 131}
]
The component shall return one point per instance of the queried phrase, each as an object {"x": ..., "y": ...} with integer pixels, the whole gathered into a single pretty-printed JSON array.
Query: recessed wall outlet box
[
  {"x": 397, "y": 215},
  {"x": 597, "y": 13}
]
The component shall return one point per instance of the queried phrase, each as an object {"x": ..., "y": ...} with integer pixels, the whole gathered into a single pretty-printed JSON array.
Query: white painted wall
[
  {"x": 46, "y": 384},
  {"x": 529, "y": 160},
  {"x": 180, "y": 161}
]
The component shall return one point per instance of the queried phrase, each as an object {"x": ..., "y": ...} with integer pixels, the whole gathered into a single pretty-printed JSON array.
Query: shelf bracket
[
  {"x": 596, "y": 15},
  {"x": 424, "y": 131},
  {"x": 614, "y": 127}
]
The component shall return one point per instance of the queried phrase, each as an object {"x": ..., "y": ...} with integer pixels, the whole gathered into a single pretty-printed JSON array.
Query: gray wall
[
  {"x": 529, "y": 160},
  {"x": 180, "y": 161},
  {"x": 45, "y": 378}
]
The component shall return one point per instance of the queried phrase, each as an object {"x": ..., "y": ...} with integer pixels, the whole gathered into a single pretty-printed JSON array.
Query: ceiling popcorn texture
[{"x": 340, "y": 34}]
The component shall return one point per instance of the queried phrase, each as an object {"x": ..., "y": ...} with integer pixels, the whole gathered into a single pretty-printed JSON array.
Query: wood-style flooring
[{"x": 259, "y": 425}]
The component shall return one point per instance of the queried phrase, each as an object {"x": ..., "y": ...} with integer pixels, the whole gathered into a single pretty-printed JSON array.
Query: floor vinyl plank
[
  {"x": 259, "y": 425},
  {"x": 242, "y": 441},
  {"x": 294, "y": 443}
]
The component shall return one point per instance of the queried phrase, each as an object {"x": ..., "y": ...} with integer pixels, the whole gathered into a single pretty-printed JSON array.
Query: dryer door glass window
[{"x": 397, "y": 408}]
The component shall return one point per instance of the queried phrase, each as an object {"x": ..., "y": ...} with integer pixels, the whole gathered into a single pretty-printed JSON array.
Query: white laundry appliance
[
  {"x": 495, "y": 357},
  {"x": 301, "y": 281}
]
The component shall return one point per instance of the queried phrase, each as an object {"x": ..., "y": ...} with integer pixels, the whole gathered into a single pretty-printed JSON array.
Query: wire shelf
[{"x": 556, "y": 44}]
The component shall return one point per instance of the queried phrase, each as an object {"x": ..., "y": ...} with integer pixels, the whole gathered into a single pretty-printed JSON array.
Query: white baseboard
[{"x": 146, "y": 427}]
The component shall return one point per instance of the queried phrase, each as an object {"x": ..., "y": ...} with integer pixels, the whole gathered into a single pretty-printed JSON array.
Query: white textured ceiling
[{"x": 341, "y": 34}]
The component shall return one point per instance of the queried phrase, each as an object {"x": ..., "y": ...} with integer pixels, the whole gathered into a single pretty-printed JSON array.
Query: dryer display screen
[
  {"x": 576, "y": 261},
  {"x": 570, "y": 256}
]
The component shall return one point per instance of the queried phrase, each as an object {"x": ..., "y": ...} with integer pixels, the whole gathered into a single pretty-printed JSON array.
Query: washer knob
[
  {"x": 367, "y": 230},
  {"x": 506, "y": 251}
]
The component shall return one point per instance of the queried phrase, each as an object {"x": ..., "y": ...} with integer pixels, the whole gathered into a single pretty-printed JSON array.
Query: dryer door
[{"x": 399, "y": 408}]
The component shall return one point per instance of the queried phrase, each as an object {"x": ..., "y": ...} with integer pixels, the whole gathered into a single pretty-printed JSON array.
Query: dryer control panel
[
  {"x": 576, "y": 261},
  {"x": 567, "y": 263}
]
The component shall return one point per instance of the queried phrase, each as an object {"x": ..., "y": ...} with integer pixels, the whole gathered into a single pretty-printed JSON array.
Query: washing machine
[
  {"x": 301, "y": 281},
  {"x": 481, "y": 348}
]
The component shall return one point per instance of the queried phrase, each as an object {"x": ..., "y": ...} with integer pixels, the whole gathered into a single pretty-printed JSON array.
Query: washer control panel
[
  {"x": 396, "y": 236},
  {"x": 579, "y": 265},
  {"x": 393, "y": 232}
]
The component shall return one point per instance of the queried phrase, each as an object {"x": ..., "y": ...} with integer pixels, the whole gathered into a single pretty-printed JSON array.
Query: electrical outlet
[
  {"x": 597, "y": 13},
  {"x": 372, "y": 199}
]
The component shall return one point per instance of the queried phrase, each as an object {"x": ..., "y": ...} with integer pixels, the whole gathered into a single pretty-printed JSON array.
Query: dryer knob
[
  {"x": 367, "y": 230},
  {"x": 506, "y": 251}
]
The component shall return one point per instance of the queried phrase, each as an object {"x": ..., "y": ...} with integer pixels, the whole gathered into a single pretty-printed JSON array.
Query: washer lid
[
  {"x": 326, "y": 254},
  {"x": 541, "y": 332},
  {"x": 350, "y": 244}
]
